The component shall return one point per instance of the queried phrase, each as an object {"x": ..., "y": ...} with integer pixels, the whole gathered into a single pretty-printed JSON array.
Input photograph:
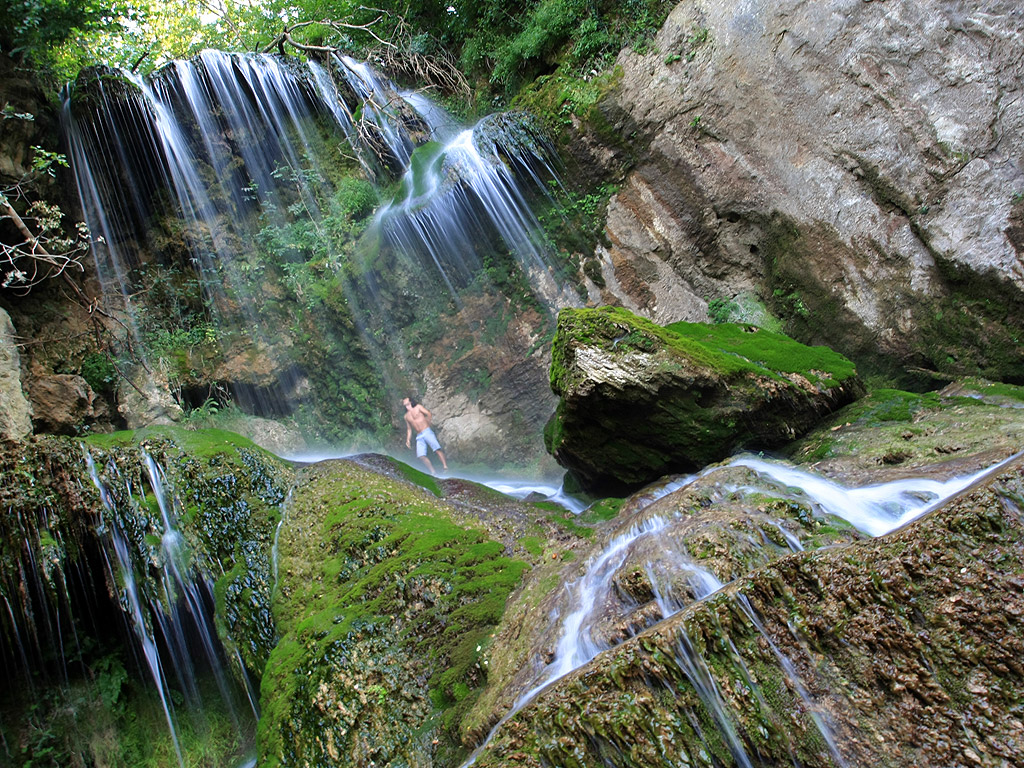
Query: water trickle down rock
[{"x": 820, "y": 658}]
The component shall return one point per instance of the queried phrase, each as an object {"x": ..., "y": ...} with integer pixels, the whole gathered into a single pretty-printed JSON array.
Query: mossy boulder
[
  {"x": 639, "y": 400},
  {"x": 72, "y": 556},
  {"x": 386, "y": 596}
]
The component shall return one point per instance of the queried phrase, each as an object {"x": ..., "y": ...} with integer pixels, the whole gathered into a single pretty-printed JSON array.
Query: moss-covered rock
[
  {"x": 821, "y": 658},
  {"x": 74, "y": 560},
  {"x": 639, "y": 400},
  {"x": 387, "y": 595},
  {"x": 891, "y": 433}
]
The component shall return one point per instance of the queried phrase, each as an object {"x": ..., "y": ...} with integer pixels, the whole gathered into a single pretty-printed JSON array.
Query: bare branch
[
  {"x": 337, "y": 26},
  {"x": 396, "y": 58},
  {"x": 42, "y": 254}
]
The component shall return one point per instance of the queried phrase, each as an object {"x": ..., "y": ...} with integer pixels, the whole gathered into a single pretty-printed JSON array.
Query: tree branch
[{"x": 33, "y": 253}]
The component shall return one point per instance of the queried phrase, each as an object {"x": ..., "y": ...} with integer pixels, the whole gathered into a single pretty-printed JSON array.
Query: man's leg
[
  {"x": 422, "y": 452},
  {"x": 444, "y": 463}
]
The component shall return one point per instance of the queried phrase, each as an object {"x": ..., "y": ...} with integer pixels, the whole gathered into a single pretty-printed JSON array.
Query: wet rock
[
  {"x": 276, "y": 437},
  {"x": 145, "y": 398},
  {"x": 822, "y": 658},
  {"x": 15, "y": 409},
  {"x": 490, "y": 405},
  {"x": 639, "y": 401},
  {"x": 388, "y": 598},
  {"x": 965, "y": 427}
]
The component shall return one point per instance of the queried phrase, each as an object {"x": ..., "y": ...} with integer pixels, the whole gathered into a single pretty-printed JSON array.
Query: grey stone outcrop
[
  {"x": 856, "y": 163},
  {"x": 15, "y": 410}
]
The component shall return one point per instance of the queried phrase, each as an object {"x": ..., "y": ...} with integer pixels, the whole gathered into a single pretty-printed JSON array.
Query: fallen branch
[
  {"x": 439, "y": 71},
  {"x": 337, "y": 26}
]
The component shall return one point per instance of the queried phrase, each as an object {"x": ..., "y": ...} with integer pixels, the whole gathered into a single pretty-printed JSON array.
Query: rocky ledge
[{"x": 897, "y": 651}]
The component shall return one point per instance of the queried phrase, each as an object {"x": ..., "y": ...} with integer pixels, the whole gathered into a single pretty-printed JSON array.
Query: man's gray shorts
[{"x": 425, "y": 438}]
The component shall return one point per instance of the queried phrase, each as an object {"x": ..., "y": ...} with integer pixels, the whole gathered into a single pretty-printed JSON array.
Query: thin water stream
[
  {"x": 172, "y": 619},
  {"x": 875, "y": 510}
]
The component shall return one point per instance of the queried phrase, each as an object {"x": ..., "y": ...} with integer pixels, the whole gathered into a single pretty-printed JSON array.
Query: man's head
[{"x": 409, "y": 402}]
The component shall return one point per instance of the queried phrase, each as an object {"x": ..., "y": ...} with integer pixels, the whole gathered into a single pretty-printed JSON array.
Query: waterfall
[
  {"x": 171, "y": 617},
  {"x": 233, "y": 191},
  {"x": 703, "y": 681},
  {"x": 875, "y": 510}
]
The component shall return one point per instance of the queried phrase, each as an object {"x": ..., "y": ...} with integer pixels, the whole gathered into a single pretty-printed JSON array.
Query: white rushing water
[
  {"x": 241, "y": 148},
  {"x": 873, "y": 509},
  {"x": 126, "y": 571},
  {"x": 524, "y": 489}
]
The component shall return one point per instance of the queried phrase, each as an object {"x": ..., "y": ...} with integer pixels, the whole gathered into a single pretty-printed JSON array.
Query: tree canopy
[{"x": 499, "y": 44}]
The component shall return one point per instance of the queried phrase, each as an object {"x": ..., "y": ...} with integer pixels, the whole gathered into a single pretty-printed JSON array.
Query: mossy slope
[{"x": 386, "y": 597}]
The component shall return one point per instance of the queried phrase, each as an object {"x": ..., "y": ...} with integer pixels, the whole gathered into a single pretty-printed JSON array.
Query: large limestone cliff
[{"x": 855, "y": 165}]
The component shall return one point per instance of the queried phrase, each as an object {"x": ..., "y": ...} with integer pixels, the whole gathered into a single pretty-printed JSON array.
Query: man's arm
[
  {"x": 428, "y": 416},
  {"x": 408, "y": 431}
]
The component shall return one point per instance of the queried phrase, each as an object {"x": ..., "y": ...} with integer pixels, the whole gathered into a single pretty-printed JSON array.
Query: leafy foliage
[
  {"x": 38, "y": 246},
  {"x": 34, "y": 26}
]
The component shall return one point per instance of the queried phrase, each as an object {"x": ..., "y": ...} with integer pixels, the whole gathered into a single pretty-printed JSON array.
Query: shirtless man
[{"x": 417, "y": 417}]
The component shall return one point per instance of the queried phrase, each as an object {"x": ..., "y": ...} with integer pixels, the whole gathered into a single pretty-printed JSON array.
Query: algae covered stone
[
  {"x": 386, "y": 597},
  {"x": 639, "y": 401}
]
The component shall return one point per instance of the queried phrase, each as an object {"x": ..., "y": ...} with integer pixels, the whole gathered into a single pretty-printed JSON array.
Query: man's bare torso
[{"x": 418, "y": 417}]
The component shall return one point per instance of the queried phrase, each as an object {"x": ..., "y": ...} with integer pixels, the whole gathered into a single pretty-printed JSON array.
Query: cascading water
[
  {"x": 171, "y": 618},
  {"x": 225, "y": 172},
  {"x": 875, "y": 510}
]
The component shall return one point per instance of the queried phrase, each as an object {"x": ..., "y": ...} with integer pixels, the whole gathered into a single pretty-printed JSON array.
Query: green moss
[
  {"x": 424, "y": 168},
  {"x": 374, "y": 566},
  {"x": 989, "y": 389},
  {"x": 533, "y": 544},
  {"x": 601, "y": 510},
  {"x": 888, "y": 405},
  {"x": 726, "y": 349},
  {"x": 558, "y": 97},
  {"x": 418, "y": 477},
  {"x": 976, "y": 329},
  {"x": 766, "y": 349}
]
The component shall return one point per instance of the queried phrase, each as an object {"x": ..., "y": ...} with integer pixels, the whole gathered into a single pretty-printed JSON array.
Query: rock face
[
  {"x": 490, "y": 403},
  {"x": 15, "y": 410},
  {"x": 64, "y": 403},
  {"x": 857, "y": 166},
  {"x": 146, "y": 399},
  {"x": 639, "y": 401}
]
